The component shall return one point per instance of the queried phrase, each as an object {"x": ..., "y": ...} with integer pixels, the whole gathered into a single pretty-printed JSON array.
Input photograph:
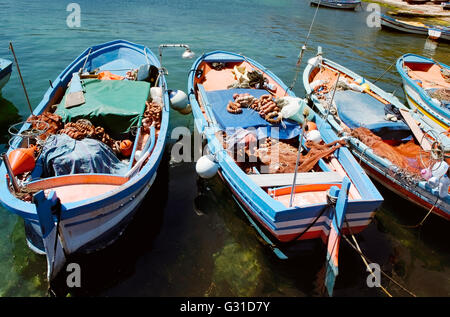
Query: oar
[
  {"x": 334, "y": 236},
  {"x": 20, "y": 75}
]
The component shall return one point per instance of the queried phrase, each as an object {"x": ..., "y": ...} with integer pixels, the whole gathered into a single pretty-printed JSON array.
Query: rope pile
[
  {"x": 265, "y": 106},
  {"x": 85, "y": 129},
  {"x": 54, "y": 121},
  {"x": 152, "y": 115}
]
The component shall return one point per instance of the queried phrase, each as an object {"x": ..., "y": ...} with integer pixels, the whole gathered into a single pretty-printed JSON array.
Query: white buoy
[
  {"x": 314, "y": 136},
  {"x": 179, "y": 101},
  {"x": 206, "y": 167},
  {"x": 156, "y": 95}
]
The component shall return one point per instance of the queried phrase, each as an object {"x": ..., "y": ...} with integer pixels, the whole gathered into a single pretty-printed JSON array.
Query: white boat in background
[{"x": 337, "y": 4}]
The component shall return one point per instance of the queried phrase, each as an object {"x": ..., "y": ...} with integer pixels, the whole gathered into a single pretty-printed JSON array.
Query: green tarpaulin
[{"x": 115, "y": 105}]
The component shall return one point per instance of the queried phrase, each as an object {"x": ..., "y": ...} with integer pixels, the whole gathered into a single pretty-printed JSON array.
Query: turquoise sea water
[{"x": 172, "y": 249}]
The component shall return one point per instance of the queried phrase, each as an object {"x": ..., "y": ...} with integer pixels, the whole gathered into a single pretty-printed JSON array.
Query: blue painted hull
[
  {"x": 89, "y": 224},
  {"x": 282, "y": 224},
  {"x": 418, "y": 192}
]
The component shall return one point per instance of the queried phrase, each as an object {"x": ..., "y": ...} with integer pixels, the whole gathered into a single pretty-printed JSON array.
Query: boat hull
[
  {"x": 413, "y": 196},
  {"x": 393, "y": 24},
  {"x": 96, "y": 231}
]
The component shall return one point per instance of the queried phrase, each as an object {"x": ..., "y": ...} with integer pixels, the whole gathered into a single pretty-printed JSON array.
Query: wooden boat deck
[{"x": 429, "y": 74}]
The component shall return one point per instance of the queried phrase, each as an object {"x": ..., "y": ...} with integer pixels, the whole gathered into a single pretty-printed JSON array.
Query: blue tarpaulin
[
  {"x": 358, "y": 109},
  {"x": 62, "y": 155},
  {"x": 249, "y": 118}
]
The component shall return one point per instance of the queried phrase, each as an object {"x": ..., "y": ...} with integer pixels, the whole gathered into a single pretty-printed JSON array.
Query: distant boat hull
[
  {"x": 428, "y": 31},
  {"x": 345, "y": 5}
]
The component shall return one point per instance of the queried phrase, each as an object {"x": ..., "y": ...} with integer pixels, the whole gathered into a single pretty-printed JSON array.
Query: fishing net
[
  {"x": 407, "y": 156},
  {"x": 281, "y": 157}
]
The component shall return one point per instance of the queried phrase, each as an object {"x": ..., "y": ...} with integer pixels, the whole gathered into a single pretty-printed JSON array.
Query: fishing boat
[
  {"x": 395, "y": 145},
  {"x": 426, "y": 83},
  {"x": 5, "y": 72},
  {"x": 337, "y": 4},
  {"x": 80, "y": 166},
  {"x": 256, "y": 156},
  {"x": 434, "y": 32}
]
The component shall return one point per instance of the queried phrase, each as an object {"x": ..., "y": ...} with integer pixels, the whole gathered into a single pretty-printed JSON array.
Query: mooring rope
[
  {"x": 299, "y": 62},
  {"x": 367, "y": 260}
]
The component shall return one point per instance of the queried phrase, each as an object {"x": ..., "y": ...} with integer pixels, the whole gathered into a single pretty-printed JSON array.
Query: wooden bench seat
[{"x": 285, "y": 179}]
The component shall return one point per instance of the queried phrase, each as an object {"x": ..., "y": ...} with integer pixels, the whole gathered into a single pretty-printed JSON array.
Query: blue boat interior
[
  {"x": 116, "y": 106},
  {"x": 357, "y": 109}
]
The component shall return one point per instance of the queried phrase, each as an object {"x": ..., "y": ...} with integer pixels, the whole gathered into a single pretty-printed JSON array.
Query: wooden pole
[{"x": 20, "y": 75}]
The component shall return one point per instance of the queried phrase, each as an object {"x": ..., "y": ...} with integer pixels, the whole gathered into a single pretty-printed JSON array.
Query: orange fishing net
[
  {"x": 408, "y": 156},
  {"x": 281, "y": 157}
]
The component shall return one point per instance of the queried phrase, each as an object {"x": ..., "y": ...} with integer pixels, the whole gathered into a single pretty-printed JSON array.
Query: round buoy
[
  {"x": 310, "y": 126},
  {"x": 314, "y": 135},
  {"x": 22, "y": 160},
  {"x": 179, "y": 101},
  {"x": 126, "y": 147},
  {"x": 206, "y": 167}
]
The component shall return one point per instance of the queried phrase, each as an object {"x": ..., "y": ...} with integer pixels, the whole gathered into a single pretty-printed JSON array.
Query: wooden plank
[
  {"x": 424, "y": 143},
  {"x": 285, "y": 179},
  {"x": 75, "y": 96}
]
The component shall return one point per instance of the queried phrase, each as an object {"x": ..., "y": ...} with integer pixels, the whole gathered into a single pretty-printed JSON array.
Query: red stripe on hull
[
  {"x": 399, "y": 190},
  {"x": 310, "y": 235}
]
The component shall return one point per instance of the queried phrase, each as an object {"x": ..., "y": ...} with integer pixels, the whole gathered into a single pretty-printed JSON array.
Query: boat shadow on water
[
  {"x": 9, "y": 116},
  {"x": 246, "y": 265},
  {"x": 107, "y": 268}
]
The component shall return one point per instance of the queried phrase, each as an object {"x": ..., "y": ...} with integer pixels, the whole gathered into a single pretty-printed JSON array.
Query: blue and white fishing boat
[
  {"x": 255, "y": 157},
  {"x": 5, "y": 72},
  {"x": 78, "y": 189},
  {"x": 337, "y": 4},
  {"x": 427, "y": 88},
  {"x": 434, "y": 32},
  {"x": 396, "y": 146}
]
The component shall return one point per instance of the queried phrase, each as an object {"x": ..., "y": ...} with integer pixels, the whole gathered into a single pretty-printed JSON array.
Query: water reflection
[{"x": 430, "y": 47}]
